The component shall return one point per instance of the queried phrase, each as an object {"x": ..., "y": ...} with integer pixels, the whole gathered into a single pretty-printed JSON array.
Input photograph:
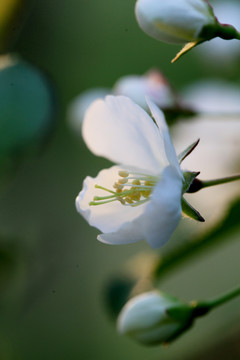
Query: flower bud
[
  {"x": 154, "y": 318},
  {"x": 174, "y": 21}
]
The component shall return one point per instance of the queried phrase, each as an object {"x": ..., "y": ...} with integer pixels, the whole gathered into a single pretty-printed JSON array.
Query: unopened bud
[
  {"x": 174, "y": 21},
  {"x": 189, "y": 22},
  {"x": 154, "y": 318}
]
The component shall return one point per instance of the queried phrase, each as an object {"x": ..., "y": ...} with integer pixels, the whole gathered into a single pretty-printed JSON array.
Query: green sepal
[
  {"x": 224, "y": 31},
  {"x": 185, "y": 316},
  {"x": 181, "y": 312},
  {"x": 187, "y": 151},
  {"x": 189, "y": 211},
  {"x": 189, "y": 177}
]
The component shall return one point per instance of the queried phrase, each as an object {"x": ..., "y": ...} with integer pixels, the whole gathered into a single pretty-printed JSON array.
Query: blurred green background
[{"x": 53, "y": 270}]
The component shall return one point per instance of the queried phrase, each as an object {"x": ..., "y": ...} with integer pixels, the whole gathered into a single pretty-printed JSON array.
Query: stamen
[
  {"x": 151, "y": 179},
  {"x": 123, "y": 173},
  {"x": 137, "y": 203},
  {"x": 123, "y": 181},
  {"x": 136, "y": 182},
  {"x": 140, "y": 186},
  {"x": 103, "y": 188},
  {"x": 133, "y": 193},
  {"x": 101, "y": 202}
]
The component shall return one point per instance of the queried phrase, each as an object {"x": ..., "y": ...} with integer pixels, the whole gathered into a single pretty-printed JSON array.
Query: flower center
[{"x": 131, "y": 189}]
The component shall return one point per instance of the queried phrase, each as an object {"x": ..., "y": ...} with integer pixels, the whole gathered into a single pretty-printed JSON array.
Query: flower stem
[
  {"x": 203, "y": 307},
  {"x": 224, "y": 298},
  {"x": 207, "y": 183},
  {"x": 198, "y": 184}
]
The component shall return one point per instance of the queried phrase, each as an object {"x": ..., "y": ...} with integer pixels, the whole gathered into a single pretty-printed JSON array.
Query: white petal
[
  {"x": 127, "y": 234},
  {"x": 143, "y": 312},
  {"x": 163, "y": 212},
  {"x": 163, "y": 128},
  {"x": 106, "y": 217},
  {"x": 121, "y": 131}
]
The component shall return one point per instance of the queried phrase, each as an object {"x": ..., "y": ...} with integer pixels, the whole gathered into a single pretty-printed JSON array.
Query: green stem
[
  {"x": 198, "y": 184},
  {"x": 224, "y": 298},
  {"x": 201, "y": 308},
  {"x": 207, "y": 183}
]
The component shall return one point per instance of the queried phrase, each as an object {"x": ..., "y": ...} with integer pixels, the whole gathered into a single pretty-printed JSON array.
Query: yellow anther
[
  {"x": 123, "y": 173},
  {"x": 129, "y": 200},
  {"x": 123, "y": 181},
  {"x": 145, "y": 193},
  {"x": 117, "y": 186},
  {"x": 118, "y": 191},
  {"x": 136, "y": 182},
  {"x": 136, "y": 196},
  {"x": 148, "y": 183}
]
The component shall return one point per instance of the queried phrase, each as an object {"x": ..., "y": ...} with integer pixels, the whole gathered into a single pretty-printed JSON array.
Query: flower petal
[
  {"x": 162, "y": 214},
  {"x": 127, "y": 234},
  {"x": 106, "y": 217},
  {"x": 163, "y": 128},
  {"x": 124, "y": 133}
]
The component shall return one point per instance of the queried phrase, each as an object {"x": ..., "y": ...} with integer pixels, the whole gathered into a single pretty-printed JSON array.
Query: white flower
[
  {"x": 152, "y": 84},
  {"x": 174, "y": 21},
  {"x": 153, "y": 318},
  {"x": 140, "y": 198}
]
